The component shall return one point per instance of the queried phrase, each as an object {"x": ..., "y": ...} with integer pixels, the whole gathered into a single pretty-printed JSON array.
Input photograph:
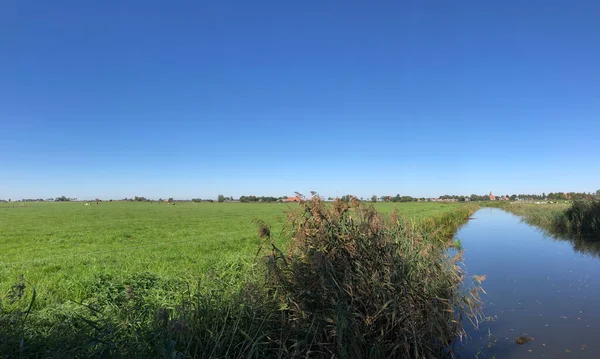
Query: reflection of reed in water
[{"x": 580, "y": 245}]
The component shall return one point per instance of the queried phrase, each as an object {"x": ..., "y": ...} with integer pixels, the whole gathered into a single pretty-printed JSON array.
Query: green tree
[
  {"x": 374, "y": 198},
  {"x": 221, "y": 198}
]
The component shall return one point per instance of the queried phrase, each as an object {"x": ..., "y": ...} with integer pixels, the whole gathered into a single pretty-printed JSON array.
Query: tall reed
[{"x": 356, "y": 284}]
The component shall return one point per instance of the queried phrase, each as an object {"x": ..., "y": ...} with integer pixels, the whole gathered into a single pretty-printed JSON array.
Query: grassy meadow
[
  {"x": 61, "y": 247},
  {"x": 140, "y": 279}
]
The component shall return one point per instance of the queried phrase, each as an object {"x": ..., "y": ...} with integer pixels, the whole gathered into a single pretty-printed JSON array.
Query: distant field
[{"x": 63, "y": 247}]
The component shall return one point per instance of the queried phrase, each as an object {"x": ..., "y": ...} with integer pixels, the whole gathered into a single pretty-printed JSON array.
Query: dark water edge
[{"x": 537, "y": 285}]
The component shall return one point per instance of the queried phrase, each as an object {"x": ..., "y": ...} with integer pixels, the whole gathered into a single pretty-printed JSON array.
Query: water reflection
[
  {"x": 585, "y": 246},
  {"x": 538, "y": 285}
]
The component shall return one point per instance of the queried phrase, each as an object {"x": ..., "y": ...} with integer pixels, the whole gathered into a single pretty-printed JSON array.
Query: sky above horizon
[{"x": 115, "y": 99}]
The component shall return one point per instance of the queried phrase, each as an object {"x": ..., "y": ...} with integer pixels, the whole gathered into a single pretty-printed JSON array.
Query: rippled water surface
[{"x": 545, "y": 288}]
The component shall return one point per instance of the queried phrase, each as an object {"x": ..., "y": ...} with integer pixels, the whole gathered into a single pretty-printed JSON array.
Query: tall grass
[
  {"x": 581, "y": 220},
  {"x": 351, "y": 283}
]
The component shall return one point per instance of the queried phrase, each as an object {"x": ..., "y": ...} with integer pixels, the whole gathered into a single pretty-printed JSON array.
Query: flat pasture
[{"x": 62, "y": 248}]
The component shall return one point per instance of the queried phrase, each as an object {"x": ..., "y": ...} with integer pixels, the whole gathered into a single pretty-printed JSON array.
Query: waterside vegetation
[{"x": 579, "y": 219}]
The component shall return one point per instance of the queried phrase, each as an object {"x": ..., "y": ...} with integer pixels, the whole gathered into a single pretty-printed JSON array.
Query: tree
[
  {"x": 374, "y": 198},
  {"x": 170, "y": 199},
  {"x": 221, "y": 198}
]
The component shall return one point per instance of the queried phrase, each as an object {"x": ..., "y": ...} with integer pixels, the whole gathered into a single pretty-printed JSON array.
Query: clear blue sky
[{"x": 115, "y": 99}]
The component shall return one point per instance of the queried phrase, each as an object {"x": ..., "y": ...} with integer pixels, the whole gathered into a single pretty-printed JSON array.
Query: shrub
[{"x": 357, "y": 284}]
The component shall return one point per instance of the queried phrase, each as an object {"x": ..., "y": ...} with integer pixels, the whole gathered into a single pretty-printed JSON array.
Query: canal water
[{"x": 539, "y": 286}]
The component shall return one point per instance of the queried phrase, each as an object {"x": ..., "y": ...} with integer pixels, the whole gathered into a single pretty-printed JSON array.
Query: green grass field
[
  {"x": 138, "y": 279},
  {"x": 63, "y": 248}
]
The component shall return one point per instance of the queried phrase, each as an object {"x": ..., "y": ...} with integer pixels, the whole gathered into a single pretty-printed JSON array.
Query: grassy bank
[
  {"x": 540, "y": 215},
  {"x": 580, "y": 219},
  {"x": 99, "y": 282}
]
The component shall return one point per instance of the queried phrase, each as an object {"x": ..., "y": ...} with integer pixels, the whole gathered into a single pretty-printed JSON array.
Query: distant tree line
[
  {"x": 572, "y": 195},
  {"x": 396, "y": 198},
  {"x": 552, "y": 196},
  {"x": 246, "y": 199},
  {"x": 486, "y": 197}
]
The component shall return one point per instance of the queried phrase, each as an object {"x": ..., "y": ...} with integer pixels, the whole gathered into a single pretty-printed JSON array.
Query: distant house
[
  {"x": 291, "y": 199},
  {"x": 492, "y": 197}
]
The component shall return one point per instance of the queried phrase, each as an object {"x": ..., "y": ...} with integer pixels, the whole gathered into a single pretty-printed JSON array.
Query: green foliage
[{"x": 221, "y": 198}]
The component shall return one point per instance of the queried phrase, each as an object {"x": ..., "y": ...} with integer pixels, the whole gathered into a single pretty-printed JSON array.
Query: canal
[{"x": 537, "y": 286}]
